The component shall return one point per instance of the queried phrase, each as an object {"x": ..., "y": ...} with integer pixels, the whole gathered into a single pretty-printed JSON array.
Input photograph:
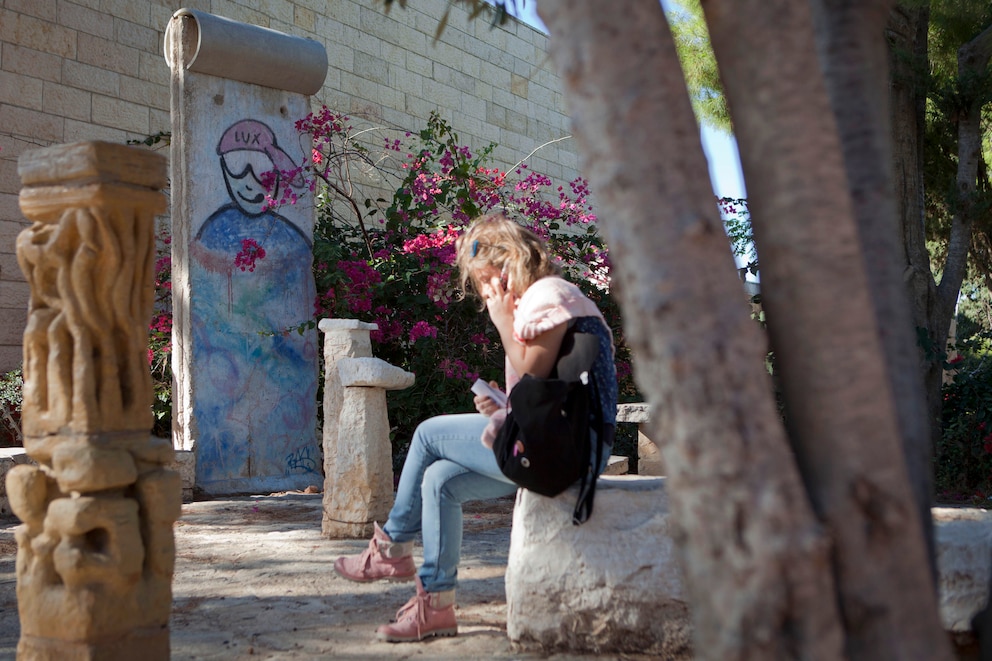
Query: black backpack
[{"x": 544, "y": 445}]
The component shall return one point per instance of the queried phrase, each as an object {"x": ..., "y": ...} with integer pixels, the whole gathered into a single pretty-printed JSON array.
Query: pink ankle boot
[
  {"x": 384, "y": 560},
  {"x": 426, "y": 615}
]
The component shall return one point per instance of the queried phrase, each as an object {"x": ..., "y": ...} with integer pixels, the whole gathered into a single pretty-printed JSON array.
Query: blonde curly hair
[{"x": 495, "y": 240}]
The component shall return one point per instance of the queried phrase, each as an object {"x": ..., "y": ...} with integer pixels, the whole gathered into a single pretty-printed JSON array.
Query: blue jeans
[{"x": 447, "y": 465}]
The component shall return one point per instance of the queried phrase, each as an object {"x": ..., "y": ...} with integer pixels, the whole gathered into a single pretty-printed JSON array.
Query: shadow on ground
[{"x": 253, "y": 580}]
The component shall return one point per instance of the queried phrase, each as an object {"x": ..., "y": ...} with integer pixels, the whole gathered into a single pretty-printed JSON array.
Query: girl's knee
[{"x": 437, "y": 478}]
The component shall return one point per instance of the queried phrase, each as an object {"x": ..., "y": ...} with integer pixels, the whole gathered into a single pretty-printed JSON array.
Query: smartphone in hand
[{"x": 480, "y": 387}]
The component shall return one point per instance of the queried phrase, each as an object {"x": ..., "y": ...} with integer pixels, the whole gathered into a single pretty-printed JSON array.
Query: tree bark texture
[
  {"x": 823, "y": 313},
  {"x": 757, "y": 566},
  {"x": 854, "y": 59},
  {"x": 906, "y": 34},
  {"x": 973, "y": 61}
]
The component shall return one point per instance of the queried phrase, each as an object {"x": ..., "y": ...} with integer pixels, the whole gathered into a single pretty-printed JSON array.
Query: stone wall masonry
[{"x": 78, "y": 70}]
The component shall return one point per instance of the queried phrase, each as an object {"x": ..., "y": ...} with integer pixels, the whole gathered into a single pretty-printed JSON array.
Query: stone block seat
[
  {"x": 609, "y": 585},
  {"x": 614, "y": 585}
]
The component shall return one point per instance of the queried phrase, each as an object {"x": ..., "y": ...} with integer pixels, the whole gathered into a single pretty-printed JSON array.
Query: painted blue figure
[{"x": 255, "y": 388}]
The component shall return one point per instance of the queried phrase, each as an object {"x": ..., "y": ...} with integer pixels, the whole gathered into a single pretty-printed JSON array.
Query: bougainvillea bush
[
  {"x": 390, "y": 261},
  {"x": 963, "y": 453},
  {"x": 160, "y": 339}
]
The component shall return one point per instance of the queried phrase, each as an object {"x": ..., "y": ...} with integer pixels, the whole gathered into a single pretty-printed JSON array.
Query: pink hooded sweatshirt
[{"x": 547, "y": 303}]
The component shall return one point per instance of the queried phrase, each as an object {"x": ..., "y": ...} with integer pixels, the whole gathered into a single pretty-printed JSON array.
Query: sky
[
  {"x": 720, "y": 148},
  {"x": 724, "y": 162}
]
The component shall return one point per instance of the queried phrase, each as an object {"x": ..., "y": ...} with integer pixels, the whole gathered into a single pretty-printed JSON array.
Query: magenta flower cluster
[
  {"x": 455, "y": 368},
  {"x": 361, "y": 279},
  {"x": 390, "y": 261},
  {"x": 249, "y": 254},
  {"x": 398, "y": 272},
  {"x": 438, "y": 246},
  {"x": 422, "y": 329}
]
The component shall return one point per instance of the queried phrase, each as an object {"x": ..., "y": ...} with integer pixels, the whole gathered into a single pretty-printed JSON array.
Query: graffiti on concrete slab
[
  {"x": 255, "y": 397},
  {"x": 305, "y": 459}
]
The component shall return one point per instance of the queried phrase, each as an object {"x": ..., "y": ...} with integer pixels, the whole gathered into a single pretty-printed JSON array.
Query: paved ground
[{"x": 253, "y": 580}]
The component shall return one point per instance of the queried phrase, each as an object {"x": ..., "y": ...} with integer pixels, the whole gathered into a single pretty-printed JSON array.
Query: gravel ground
[{"x": 253, "y": 580}]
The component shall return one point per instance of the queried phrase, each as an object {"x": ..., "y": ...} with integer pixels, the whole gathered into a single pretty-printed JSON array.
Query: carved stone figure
[{"x": 95, "y": 550}]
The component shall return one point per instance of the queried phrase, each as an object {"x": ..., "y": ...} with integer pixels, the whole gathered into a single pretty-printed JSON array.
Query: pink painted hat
[{"x": 253, "y": 135}]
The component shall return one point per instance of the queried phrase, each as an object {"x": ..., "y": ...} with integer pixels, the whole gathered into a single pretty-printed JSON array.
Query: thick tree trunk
[
  {"x": 823, "y": 320},
  {"x": 853, "y": 56},
  {"x": 907, "y": 37},
  {"x": 757, "y": 567}
]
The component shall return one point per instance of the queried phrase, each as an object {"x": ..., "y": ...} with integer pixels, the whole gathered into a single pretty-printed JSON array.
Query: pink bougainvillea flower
[
  {"x": 457, "y": 369},
  {"x": 250, "y": 253},
  {"x": 422, "y": 329}
]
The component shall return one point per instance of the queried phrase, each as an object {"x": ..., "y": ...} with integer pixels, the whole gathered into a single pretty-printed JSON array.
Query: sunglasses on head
[{"x": 479, "y": 244}]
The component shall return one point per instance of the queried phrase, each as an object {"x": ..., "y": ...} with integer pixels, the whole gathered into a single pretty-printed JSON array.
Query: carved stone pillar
[
  {"x": 95, "y": 550},
  {"x": 358, "y": 463}
]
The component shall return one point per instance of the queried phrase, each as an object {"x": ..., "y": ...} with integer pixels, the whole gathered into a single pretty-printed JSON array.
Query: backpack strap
[
  {"x": 576, "y": 356},
  {"x": 587, "y": 484}
]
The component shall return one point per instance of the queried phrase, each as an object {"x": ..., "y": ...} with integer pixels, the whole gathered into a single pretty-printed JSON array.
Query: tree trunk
[
  {"x": 853, "y": 56},
  {"x": 973, "y": 61},
  {"x": 757, "y": 566},
  {"x": 934, "y": 304},
  {"x": 907, "y": 37},
  {"x": 822, "y": 309}
]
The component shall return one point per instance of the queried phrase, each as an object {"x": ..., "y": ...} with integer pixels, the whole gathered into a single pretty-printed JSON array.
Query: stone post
[
  {"x": 358, "y": 465},
  {"x": 649, "y": 461},
  {"x": 95, "y": 549}
]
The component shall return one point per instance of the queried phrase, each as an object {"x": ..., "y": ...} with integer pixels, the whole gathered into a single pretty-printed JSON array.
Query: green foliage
[
  {"x": 692, "y": 42},
  {"x": 974, "y": 310},
  {"x": 392, "y": 264},
  {"x": 457, "y": 188},
  {"x": 163, "y": 138},
  {"x": 160, "y": 340},
  {"x": 954, "y": 23},
  {"x": 11, "y": 397},
  {"x": 422, "y": 327},
  {"x": 737, "y": 221},
  {"x": 963, "y": 456},
  {"x": 500, "y": 10}
]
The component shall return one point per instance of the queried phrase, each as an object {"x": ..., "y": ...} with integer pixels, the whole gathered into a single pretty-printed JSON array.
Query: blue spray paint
[{"x": 256, "y": 385}]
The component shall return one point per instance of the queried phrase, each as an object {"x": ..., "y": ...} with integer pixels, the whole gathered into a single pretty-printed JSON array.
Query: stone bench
[
  {"x": 609, "y": 585},
  {"x": 613, "y": 585},
  {"x": 963, "y": 537}
]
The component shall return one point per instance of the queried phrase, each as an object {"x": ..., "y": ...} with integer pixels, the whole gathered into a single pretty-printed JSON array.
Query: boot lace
[
  {"x": 370, "y": 550},
  {"x": 414, "y": 610}
]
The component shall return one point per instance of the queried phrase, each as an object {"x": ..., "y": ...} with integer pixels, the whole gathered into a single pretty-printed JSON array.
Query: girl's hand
[
  {"x": 500, "y": 302},
  {"x": 485, "y": 405}
]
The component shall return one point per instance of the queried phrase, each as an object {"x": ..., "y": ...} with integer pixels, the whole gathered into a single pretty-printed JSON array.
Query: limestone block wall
[{"x": 75, "y": 70}]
